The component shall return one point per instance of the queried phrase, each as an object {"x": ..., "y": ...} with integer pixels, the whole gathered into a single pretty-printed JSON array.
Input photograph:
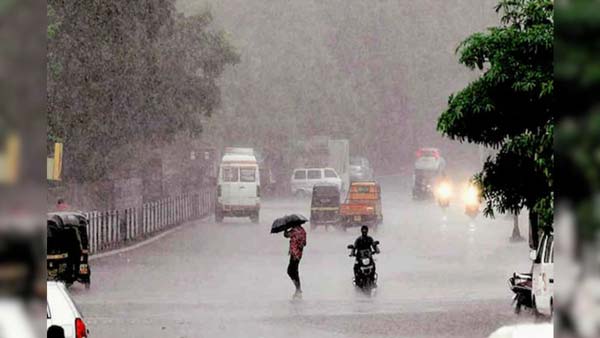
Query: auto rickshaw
[
  {"x": 325, "y": 206},
  {"x": 362, "y": 205},
  {"x": 68, "y": 248}
]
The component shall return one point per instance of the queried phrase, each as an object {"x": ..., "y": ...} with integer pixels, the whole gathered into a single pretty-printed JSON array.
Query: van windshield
[
  {"x": 230, "y": 174},
  {"x": 247, "y": 174}
]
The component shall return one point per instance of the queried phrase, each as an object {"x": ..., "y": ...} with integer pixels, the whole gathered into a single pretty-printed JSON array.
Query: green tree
[
  {"x": 509, "y": 108},
  {"x": 124, "y": 73}
]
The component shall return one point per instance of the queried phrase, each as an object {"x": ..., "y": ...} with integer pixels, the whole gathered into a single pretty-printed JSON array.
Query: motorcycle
[
  {"x": 365, "y": 277},
  {"x": 521, "y": 285},
  {"x": 472, "y": 201},
  {"x": 443, "y": 193}
]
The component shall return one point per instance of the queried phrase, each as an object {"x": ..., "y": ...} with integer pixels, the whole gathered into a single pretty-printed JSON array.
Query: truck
[{"x": 238, "y": 185}]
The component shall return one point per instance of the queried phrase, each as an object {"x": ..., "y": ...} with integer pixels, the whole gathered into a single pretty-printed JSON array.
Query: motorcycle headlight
[
  {"x": 471, "y": 197},
  {"x": 366, "y": 261},
  {"x": 444, "y": 190}
]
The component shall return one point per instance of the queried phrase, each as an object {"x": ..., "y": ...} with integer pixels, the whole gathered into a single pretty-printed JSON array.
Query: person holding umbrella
[{"x": 292, "y": 229}]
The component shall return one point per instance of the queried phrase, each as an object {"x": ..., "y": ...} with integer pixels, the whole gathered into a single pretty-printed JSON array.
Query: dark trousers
[{"x": 292, "y": 270}]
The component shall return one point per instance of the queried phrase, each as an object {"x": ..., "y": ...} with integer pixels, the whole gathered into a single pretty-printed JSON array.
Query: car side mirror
[
  {"x": 532, "y": 255},
  {"x": 376, "y": 243},
  {"x": 351, "y": 247}
]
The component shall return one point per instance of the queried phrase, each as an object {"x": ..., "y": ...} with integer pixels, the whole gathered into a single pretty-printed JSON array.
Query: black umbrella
[{"x": 286, "y": 222}]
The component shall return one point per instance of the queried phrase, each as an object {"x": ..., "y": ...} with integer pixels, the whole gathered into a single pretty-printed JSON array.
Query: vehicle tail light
[
  {"x": 80, "y": 329},
  {"x": 218, "y": 191},
  {"x": 258, "y": 191}
]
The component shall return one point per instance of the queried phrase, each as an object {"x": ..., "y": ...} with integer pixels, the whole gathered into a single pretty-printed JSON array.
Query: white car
[
  {"x": 304, "y": 179},
  {"x": 62, "y": 311}
]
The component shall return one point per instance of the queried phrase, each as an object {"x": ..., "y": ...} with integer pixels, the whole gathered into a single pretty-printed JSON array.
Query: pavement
[{"x": 441, "y": 274}]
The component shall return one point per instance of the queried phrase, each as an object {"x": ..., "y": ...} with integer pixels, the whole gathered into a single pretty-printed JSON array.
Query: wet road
[{"x": 440, "y": 275}]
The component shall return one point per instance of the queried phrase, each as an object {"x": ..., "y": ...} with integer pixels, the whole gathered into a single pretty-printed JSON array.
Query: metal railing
[{"x": 108, "y": 230}]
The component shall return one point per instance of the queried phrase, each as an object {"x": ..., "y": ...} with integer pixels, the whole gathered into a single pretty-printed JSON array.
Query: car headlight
[{"x": 366, "y": 261}]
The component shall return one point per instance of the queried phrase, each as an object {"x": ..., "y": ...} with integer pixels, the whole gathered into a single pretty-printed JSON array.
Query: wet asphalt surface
[{"x": 441, "y": 274}]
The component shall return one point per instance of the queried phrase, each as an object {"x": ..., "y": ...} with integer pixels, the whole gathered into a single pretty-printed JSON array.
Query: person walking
[{"x": 297, "y": 236}]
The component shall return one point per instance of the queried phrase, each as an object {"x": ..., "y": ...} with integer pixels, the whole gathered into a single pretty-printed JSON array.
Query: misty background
[{"x": 376, "y": 72}]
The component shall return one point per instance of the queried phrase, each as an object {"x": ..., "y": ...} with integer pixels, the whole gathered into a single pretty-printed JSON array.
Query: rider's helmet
[{"x": 364, "y": 230}]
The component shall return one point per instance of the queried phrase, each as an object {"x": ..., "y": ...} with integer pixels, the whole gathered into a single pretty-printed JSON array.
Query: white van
[
  {"x": 543, "y": 276},
  {"x": 304, "y": 179},
  {"x": 238, "y": 189}
]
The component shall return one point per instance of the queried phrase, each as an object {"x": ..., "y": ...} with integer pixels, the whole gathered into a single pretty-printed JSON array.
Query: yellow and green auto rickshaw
[{"x": 325, "y": 206}]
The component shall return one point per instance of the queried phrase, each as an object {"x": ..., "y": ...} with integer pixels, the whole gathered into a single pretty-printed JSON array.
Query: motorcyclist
[{"x": 363, "y": 242}]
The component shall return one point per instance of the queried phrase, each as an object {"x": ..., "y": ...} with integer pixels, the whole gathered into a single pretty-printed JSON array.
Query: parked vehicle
[
  {"x": 543, "y": 276},
  {"x": 325, "y": 206},
  {"x": 304, "y": 179},
  {"x": 535, "y": 290},
  {"x": 68, "y": 248},
  {"x": 365, "y": 275},
  {"x": 360, "y": 169},
  {"x": 238, "y": 187},
  {"x": 61, "y": 311},
  {"x": 544, "y": 330},
  {"x": 362, "y": 205}
]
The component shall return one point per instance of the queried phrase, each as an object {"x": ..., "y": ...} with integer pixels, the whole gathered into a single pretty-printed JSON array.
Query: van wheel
[
  {"x": 255, "y": 218},
  {"x": 301, "y": 194},
  {"x": 537, "y": 315}
]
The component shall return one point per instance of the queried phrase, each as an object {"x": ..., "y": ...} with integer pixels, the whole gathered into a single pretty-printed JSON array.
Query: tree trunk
[
  {"x": 516, "y": 234},
  {"x": 534, "y": 226}
]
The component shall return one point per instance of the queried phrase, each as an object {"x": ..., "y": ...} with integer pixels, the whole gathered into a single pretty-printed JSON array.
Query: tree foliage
[
  {"x": 121, "y": 72},
  {"x": 509, "y": 107}
]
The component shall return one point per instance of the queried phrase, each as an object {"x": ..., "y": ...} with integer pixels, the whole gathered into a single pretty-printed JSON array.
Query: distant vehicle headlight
[{"x": 366, "y": 261}]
